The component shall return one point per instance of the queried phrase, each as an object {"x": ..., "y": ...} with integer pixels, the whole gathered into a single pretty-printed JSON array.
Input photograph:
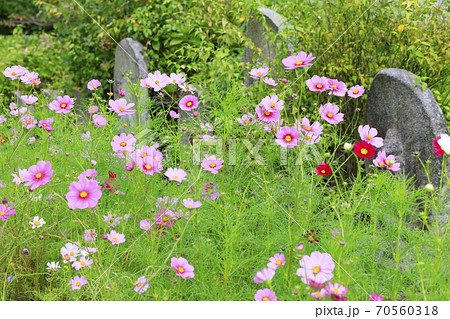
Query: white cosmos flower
[
  {"x": 37, "y": 222},
  {"x": 53, "y": 266},
  {"x": 444, "y": 142}
]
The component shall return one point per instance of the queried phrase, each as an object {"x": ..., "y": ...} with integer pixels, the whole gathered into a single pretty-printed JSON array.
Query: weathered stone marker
[
  {"x": 409, "y": 119},
  {"x": 255, "y": 32},
  {"x": 129, "y": 58}
]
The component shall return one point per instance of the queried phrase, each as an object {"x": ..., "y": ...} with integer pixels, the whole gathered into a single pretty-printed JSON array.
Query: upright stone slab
[
  {"x": 129, "y": 58},
  {"x": 409, "y": 119},
  {"x": 255, "y": 32}
]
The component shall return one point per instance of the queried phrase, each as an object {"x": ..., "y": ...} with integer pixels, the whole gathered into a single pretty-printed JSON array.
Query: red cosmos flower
[
  {"x": 4, "y": 139},
  {"x": 437, "y": 147},
  {"x": 112, "y": 175},
  {"x": 364, "y": 149},
  {"x": 323, "y": 169},
  {"x": 310, "y": 236}
]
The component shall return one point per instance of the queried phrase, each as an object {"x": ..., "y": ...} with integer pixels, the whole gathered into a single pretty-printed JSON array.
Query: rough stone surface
[
  {"x": 409, "y": 119},
  {"x": 255, "y": 32},
  {"x": 129, "y": 58}
]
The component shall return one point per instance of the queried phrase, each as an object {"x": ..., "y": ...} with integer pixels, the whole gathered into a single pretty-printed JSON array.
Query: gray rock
[
  {"x": 255, "y": 32},
  {"x": 129, "y": 58},
  {"x": 409, "y": 119}
]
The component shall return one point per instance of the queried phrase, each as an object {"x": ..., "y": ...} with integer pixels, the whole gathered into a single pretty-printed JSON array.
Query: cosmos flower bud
[
  {"x": 429, "y": 187},
  {"x": 348, "y": 146}
]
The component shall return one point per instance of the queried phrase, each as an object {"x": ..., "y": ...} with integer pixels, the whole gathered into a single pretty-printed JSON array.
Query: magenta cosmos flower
[
  {"x": 6, "y": 212},
  {"x": 83, "y": 194},
  {"x": 141, "y": 285},
  {"x": 174, "y": 114},
  {"x": 266, "y": 115},
  {"x": 264, "y": 275},
  {"x": 270, "y": 81},
  {"x": 121, "y": 107},
  {"x": 78, "y": 282},
  {"x": 123, "y": 143},
  {"x": 28, "y": 121},
  {"x": 181, "y": 265},
  {"x": 319, "y": 294},
  {"x": 93, "y": 84},
  {"x": 317, "y": 83},
  {"x": 116, "y": 238},
  {"x": 149, "y": 166},
  {"x": 175, "y": 174},
  {"x": 386, "y": 161},
  {"x": 62, "y": 104},
  {"x": 29, "y": 99},
  {"x": 369, "y": 134},
  {"x": 276, "y": 260},
  {"x": 265, "y": 295},
  {"x": 272, "y": 104},
  {"x": 287, "y": 137},
  {"x": 258, "y": 73},
  {"x": 46, "y": 124},
  {"x": 375, "y": 297},
  {"x": 99, "y": 120},
  {"x": 212, "y": 164},
  {"x": 88, "y": 174},
  {"x": 356, "y": 91},
  {"x": 298, "y": 61},
  {"x": 20, "y": 179},
  {"x": 188, "y": 103},
  {"x": 38, "y": 175},
  {"x": 336, "y": 289},
  {"x": 191, "y": 204},
  {"x": 336, "y": 87},
  {"x": 330, "y": 113},
  {"x": 14, "y": 72},
  {"x": 318, "y": 267},
  {"x": 90, "y": 235}
]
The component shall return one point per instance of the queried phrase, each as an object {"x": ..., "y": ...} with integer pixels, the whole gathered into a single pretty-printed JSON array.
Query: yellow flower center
[
  {"x": 63, "y": 106},
  {"x": 175, "y": 177},
  {"x": 369, "y": 137},
  {"x": 44, "y": 124},
  {"x": 319, "y": 86},
  {"x": 115, "y": 239},
  {"x": 390, "y": 163},
  {"x": 212, "y": 165},
  {"x": 146, "y": 166},
  {"x": 123, "y": 144},
  {"x": 299, "y": 63},
  {"x": 316, "y": 270},
  {"x": 139, "y": 284},
  {"x": 71, "y": 253},
  {"x": 121, "y": 109},
  {"x": 272, "y": 105},
  {"x": 336, "y": 291},
  {"x": 334, "y": 86},
  {"x": 28, "y": 121},
  {"x": 180, "y": 270},
  {"x": 83, "y": 194},
  {"x": 330, "y": 115},
  {"x": 355, "y": 91},
  {"x": 288, "y": 138},
  {"x": 278, "y": 262},
  {"x": 37, "y": 223},
  {"x": 189, "y": 104},
  {"x": 38, "y": 175},
  {"x": 144, "y": 155},
  {"x": 156, "y": 82},
  {"x": 323, "y": 171},
  {"x": 258, "y": 74},
  {"x": 2, "y": 213},
  {"x": 14, "y": 73},
  {"x": 364, "y": 151},
  {"x": 265, "y": 299},
  {"x": 319, "y": 294},
  {"x": 78, "y": 284},
  {"x": 82, "y": 263},
  {"x": 94, "y": 86},
  {"x": 246, "y": 122},
  {"x": 267, "y": 113},
  {"x": 308, "y": 128}
]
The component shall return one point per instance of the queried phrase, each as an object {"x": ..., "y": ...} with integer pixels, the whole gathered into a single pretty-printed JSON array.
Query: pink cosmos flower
[
  {"x": 141, "y": 285},
  {"x": 287, "y": 137},
  {"x": 270, "y": 81},
  {"x": 210, "y": 191},
  {"x": 318, "y": 267},
  {"x": 375, "y": 297},
  {"x": 298, "y": 61},
  {"x": 267, "y": 116},
  {"x": 88, "y": 174},
  {"x": 70, "y": 252},
  {"x": 271, "y": 103},
  {"x": 356, "y": 91},
  {"x": 123, "y": 143},
  {"x": 46, "y": 124},
  {"x": 181, "y": 265},
  {"x": 188, "y": 103},
  {"x": 165, "y": 217},
  {"x": 31, "y": 78},
  {"x": 212, "y": 164},
  {"x": 273, "y": 126},
  {"x": 3, "y": 119},
  {"x": 386, "y": 161},
  {"x": 121, "y": 107},
  {"x": 265, "y": 295},
  {"x": 90, "y": 235},
  {"x": 336, "y": 87},
  {"x": 84, "y": 262},
  {"x": 174, "y": 114},
  {"x": 14, "y": 72},
  {"x": 83, "y": 194},
  {"x": 316, "y": 128},
  {"x": 276, "y": 260},
  {"x": 78, "y": 282},
  {"x": 130, "y": 166},
  {"x": 330, "y": 113},
  {"x": 175, "y": 174},
  {"x": 146, "y": 151},
  {"x": 93, "y": 84},
  {"x": 258, "y": 73},
  {"x": 62, "y": 104},
  {"x": 21, "y": 178},
  {"x": 317, "y": 83},
  {"x": 190, "y": 204},
  {"x": 156, "y": 81},
  {"x": 145, "y": 224},
  {"x": 116, "y": 238},
  {"x": 149, "y": 166},
  {"x": 28, "y": 121},
  {"x": 315, "y": 285},
  {"x": 336, "y": 289},
  {"x": 93, "y": 109},
  {"x": 246, "y": 119},
  {"x": 368, "y": 134},
  {"x": 264, "y": 275},
  {"x": 319, "y": 294},
  {"x": 29, "y": 99},
  {"x": 177, "y": 78},
  {"x": 38, "y": 175},
  {"x": 122, "y": 92},
  {"x": 187, "y": 87},
  {"x": 6, "y": 212},
  {"x": 309, "y": 138},
  {"x": 99, "y": 120}
]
